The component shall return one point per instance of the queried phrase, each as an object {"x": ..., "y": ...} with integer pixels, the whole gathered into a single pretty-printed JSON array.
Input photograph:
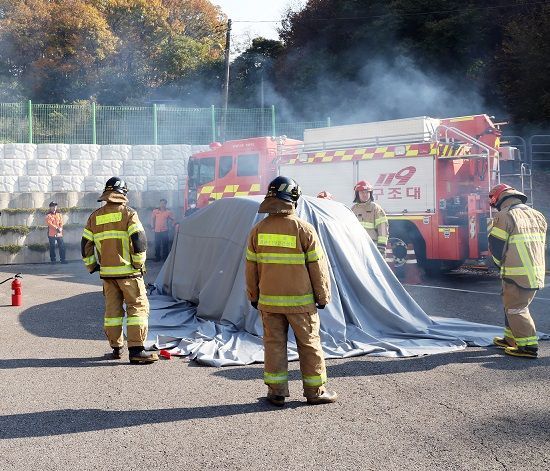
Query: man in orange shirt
[
  {"x": 54, "y": 220},
  {"x": 161, "y": 221}
]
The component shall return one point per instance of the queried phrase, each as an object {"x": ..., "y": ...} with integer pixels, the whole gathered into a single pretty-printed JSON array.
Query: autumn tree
[{"x": 114, "y": 51}]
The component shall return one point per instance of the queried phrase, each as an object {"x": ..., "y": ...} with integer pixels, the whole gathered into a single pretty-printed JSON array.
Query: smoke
[{"x": 383, "y": 88}]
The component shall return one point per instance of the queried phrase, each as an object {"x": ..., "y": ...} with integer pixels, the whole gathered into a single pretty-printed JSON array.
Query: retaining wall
[{"x": 74, "y": 175}]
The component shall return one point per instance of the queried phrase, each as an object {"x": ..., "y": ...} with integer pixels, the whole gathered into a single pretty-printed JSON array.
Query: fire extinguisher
[{"x": 16, "y": 289}]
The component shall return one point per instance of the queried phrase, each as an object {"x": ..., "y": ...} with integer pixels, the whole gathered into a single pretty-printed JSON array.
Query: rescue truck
[{"x": 431, "y": 176}]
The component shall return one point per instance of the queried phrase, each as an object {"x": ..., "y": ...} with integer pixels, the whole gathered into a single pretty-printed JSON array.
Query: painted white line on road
[{"x": 469, "y": 291}]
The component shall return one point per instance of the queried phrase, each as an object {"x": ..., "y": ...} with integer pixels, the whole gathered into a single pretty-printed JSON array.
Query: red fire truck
[{"x": 432, "y": 177}]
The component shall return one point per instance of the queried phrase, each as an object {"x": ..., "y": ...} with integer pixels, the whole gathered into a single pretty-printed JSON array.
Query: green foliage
[
  {"x": 19, "y": 210},
  {"x": 23, "y": 230},
  {"x": 12, "y": 248},
  {"x": 38, "y": 247},
  {"x": 251, "y": 68},
  {"x": 349, "y": 59}
]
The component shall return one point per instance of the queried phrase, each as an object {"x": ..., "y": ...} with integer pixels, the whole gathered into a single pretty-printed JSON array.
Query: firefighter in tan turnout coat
[
  {"x": 287, "y": 279},
  {"x": 517, "y": 243},
  {"x": 114, "y": 244},
  {"x": 371, "y": 215}
]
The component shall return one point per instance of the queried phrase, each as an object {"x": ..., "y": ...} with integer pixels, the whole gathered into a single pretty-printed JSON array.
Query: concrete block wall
[{"x": 74, "y": 175}]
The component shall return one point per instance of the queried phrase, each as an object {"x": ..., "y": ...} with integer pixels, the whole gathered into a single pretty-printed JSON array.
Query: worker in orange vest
[
  {"x": 54, "y": 221},
  {"x": 162, "y": 220}
]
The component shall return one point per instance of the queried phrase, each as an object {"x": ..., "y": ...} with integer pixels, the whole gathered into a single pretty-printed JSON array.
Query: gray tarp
[{"x": 202, "y": 310}]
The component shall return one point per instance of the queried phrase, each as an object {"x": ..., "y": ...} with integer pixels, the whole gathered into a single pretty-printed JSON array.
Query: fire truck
[{"x": 431, "y": 176}]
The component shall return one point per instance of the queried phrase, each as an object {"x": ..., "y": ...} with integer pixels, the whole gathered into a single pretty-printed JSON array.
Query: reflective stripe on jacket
[
  {"x": 114, "y": 239},
  {"x": 286, "y": 268},
  {"x": 373, "y": 218},
  {"x": 517, "y": 240}
]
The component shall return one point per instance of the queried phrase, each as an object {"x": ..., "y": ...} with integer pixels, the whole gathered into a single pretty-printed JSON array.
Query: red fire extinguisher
[{"x": 16, "y": 294}]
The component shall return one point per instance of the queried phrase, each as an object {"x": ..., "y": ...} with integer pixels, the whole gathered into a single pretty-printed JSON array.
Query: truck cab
[{"x": 235, "y": 168}]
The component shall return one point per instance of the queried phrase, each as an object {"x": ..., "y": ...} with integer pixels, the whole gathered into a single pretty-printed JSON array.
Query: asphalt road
[{"x": 64, "y": 406}]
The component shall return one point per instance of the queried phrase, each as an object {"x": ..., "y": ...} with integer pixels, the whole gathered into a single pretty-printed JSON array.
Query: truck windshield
[{"x": 202, "y": 171}]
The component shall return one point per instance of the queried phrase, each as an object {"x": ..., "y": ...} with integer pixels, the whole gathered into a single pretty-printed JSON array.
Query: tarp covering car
[{"x": 200, "y": 307}]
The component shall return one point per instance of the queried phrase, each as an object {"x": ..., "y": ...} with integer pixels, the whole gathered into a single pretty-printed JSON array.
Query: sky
[{"x": 255, "y": 11}]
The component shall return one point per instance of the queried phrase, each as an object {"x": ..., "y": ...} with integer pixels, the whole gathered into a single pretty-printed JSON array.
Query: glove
[
  {"x": 254, "y": 304},
  {"x": 320, "y": 306},
  {"x": 96, "y": 268}
]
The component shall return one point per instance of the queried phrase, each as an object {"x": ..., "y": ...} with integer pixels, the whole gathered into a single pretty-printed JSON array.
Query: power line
[{"x": 437, "y": 12}]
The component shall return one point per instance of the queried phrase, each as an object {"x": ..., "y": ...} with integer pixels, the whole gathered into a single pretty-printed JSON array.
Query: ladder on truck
[
  {"x": 513, "y": 171},
  {"x": 519, "y": 175}
]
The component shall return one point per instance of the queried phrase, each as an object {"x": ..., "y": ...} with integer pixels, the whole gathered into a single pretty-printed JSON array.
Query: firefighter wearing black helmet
[
  {"x": 114, "y": 244},
  {"x": 517, "y": 242},
  {"x": 287, "y": 280}
]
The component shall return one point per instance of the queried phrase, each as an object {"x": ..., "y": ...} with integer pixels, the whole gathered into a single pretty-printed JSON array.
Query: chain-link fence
[{"x": 156, "y": 124}]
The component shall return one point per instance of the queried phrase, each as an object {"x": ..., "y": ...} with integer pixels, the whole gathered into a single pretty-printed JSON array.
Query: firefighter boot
[
  {"x": 278, "y": 401},
  {"x": 527, "y": 352},
  {"x": 501, "y": 342},
  {"x": 139, "y": 356},
  {"x": 325, "y": 398},
  {"x": 117, "y": 353}
]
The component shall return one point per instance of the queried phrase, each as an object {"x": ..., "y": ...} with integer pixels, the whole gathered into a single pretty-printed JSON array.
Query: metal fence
[{"x": 156, "y": 124}]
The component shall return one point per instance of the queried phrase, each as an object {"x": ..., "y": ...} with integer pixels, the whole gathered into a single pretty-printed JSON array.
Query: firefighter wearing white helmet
[
  {"x": 114, "y": 243},
  {"x": 371, "y": 215},
  {"x": 287, "y": 279},
  {"x": 516, "y": 241}
]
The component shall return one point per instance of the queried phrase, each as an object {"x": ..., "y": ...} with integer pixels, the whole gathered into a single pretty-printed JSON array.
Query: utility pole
[{"x": 226, "y": 83}]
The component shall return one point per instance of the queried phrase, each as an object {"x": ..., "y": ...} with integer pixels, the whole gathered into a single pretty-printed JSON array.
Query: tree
[
  {"x": 114, "y": 51},
  {"x": 251, "y": 69},
  {"x": 53, "y": 48},
  {"x": 521, "y": 71}
]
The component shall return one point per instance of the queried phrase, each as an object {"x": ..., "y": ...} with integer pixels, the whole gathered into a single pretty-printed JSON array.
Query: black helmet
[
  {"x": 116, "y": 184},
  {"x": 285, "y": 189}
]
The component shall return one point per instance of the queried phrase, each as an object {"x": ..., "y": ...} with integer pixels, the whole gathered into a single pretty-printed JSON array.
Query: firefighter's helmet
[
  {"x": 363, "y": 186},
  {"x": 501, "y": 191},
  {"x": 116, "y": 184},
  {"x": 325, "y": 195},
  {"x": 285, "y": 189}
]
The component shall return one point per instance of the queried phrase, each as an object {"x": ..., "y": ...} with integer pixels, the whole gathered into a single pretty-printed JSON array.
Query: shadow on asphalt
[
  {"x": 66, "y": 421},
  {"x": 58, "y": 362},
  {"x": 492, "y": 358},
  {"x": 72, "y": 272},
  {"x": 78, "y": 317}
]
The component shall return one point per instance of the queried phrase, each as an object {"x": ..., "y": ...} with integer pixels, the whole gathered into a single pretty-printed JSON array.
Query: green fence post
[
  {"x": 273, "y": 133},
  {"x": 94, "y": 126},
  {"x": 30, "y": 120},
  {"x": 328, "y": 121},
  {"x": 213, "y": 116},
  {"x": 155, "y": 125}
]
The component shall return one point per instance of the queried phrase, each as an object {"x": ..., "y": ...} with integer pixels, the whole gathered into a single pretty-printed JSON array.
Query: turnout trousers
[
  {"x": 519, "y": 327},
  {"x": 132, "y": 292},
  {"x": 312, "y": 362}
]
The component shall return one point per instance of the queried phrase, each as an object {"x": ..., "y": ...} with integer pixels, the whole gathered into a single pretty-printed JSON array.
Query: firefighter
[
  {"x": 516, "y": 241},
  {"x": 287, "y": 280},
  {"x": 114, "y": 244},
  {"x": 371, "y": 215}
]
